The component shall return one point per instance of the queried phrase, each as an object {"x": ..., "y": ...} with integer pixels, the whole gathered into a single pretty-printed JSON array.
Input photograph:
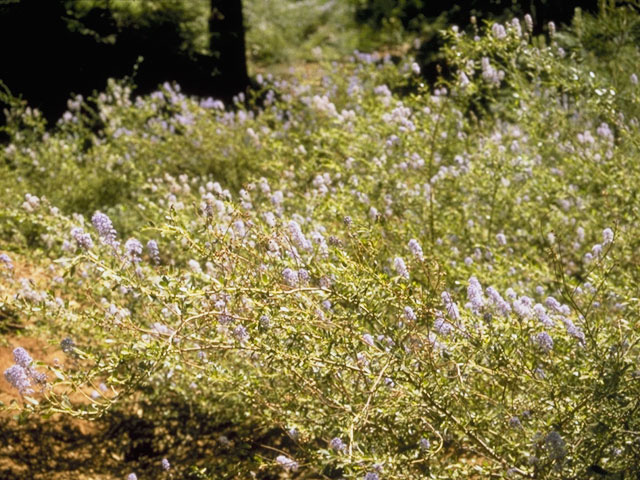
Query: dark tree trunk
[{"x": 227, "y": 43}]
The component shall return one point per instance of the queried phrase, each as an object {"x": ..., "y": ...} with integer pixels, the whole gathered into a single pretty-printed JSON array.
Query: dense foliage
[
  {"x": 407, "y": 281},
  {"x": 187, "y": 17}
]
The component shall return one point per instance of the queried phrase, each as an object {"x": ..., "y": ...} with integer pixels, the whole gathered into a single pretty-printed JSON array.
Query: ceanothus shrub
[{"x": 431, "y": 285}]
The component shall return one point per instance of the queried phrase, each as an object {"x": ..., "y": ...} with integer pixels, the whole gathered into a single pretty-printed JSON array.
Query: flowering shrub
[{"x": 437, "y": 284}]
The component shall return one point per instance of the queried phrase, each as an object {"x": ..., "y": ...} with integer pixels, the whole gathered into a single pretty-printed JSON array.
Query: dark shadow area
[
  {"x": 9, "y": 320},
  {"x": 124, "y": 442},
  {"x": 45, "y": 60}
]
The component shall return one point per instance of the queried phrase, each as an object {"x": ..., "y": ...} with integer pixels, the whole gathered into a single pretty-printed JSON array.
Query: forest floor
[{"x": 122, "y": 441}]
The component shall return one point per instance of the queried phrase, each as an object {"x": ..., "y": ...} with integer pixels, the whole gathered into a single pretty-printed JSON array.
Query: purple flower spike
[{"x": 21, "y": 357}]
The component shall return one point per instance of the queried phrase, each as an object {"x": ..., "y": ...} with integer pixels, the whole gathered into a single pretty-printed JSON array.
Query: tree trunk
[{"x": 227, "y": 43}]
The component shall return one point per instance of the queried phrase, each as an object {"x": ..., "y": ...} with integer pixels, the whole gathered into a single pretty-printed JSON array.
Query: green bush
[{"x": 190, "y": 18}]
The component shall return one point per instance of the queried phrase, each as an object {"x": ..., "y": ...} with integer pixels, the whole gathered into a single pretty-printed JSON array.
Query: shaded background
[{"x": 53, "y": 49}]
